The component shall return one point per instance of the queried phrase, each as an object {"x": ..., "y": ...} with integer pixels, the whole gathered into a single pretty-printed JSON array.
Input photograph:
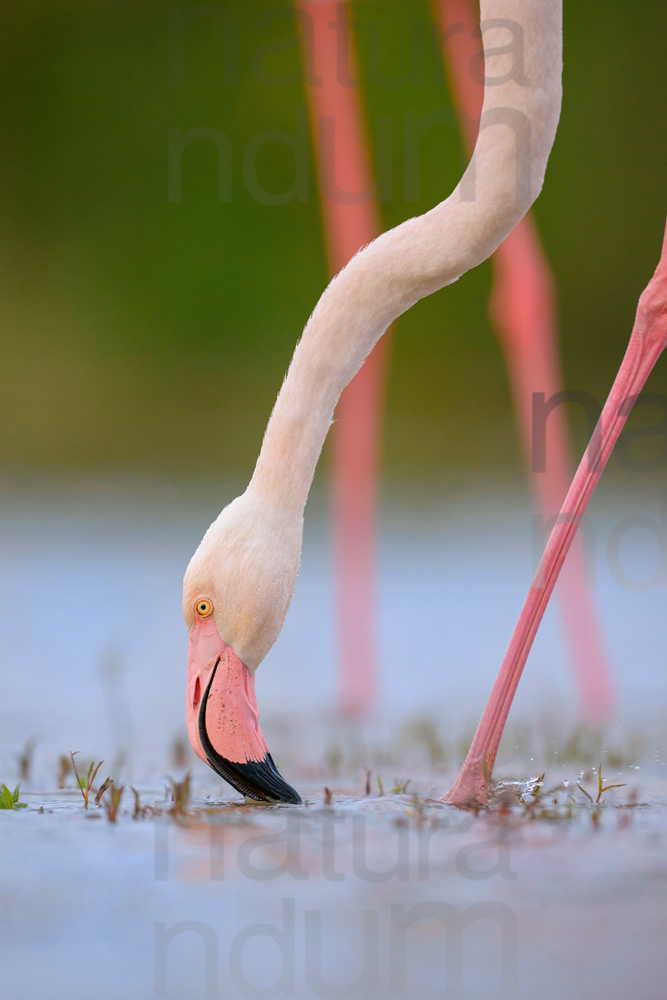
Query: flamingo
[{"x": 239, "y": 583}]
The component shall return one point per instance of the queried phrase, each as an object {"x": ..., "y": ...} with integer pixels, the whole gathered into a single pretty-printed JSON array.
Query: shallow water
[
  {"x": 411, "y": 895},
  {"x": 533, "y": 900}
]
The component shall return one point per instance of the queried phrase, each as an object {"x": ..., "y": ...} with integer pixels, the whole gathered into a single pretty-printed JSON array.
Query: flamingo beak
[{"x": 223, "y": 719}]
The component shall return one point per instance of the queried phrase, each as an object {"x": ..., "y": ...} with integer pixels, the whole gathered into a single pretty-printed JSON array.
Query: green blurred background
[{"x": 143, "y": 336}]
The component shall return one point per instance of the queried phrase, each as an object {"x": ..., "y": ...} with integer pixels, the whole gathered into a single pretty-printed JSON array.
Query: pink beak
[{"x": 223, "y": 719}]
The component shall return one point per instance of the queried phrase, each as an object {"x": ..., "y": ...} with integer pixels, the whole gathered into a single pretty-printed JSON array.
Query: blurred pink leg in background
[
  {"x": 350, "y": 221},
  {"x": 523, "y": 310}
]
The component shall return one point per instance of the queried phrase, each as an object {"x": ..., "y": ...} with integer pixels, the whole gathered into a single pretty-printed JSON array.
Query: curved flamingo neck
[{"x": 505, "y": 175}]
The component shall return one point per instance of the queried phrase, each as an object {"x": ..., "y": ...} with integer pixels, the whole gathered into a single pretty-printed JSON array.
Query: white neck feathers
[{"x": 505, "y": 175}]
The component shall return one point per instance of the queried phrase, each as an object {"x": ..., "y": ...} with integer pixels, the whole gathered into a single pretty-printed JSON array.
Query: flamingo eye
[{"x": 203, "y": 608}]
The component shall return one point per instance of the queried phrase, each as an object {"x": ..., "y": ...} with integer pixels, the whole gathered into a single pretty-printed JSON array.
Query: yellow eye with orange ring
[{"x": 203, "y": 607}]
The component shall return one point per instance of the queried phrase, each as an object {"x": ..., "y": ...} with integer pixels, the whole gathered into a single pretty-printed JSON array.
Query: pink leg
[
  {"x": 351, "y": 221},
  {"x": 523, "y": 311},
  {"x": 648, "y": 340}
]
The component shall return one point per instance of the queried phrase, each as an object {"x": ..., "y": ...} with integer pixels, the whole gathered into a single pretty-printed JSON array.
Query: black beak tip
[
  {"x": 263, "y": 781},
  {"x": 256, "y": 779},
  {"x": 259, "y": 780}
]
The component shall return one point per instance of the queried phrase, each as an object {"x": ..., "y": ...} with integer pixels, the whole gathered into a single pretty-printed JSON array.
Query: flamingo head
[{"x": 236, "y": 593}]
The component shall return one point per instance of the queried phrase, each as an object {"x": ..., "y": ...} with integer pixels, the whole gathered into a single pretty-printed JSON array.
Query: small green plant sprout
[
  {"x": 417, "y": 810},
  {"x": 180, "y": 795},
  {"x": 537, "y": 786},
  {"x": 85, "y": 784},
  {"x": 380, "y": 787},
  {"x": 400, "y": 787},
  {"x": 141, "y": 812},
  {"x": 136, "y": 812},
  {"x": 601, "y": 788},
  {"x": 112, "y": 802},
  {"x": 605, "y": 788},
  {"x": 102, "y": 789},
  {"x": 10, "y": 800},
  {"x": 587, "y": 794}
]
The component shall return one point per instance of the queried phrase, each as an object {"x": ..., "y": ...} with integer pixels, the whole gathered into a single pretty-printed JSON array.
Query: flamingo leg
[
  {"x": 523, "y": 312},
  {"x": 647, "y": 341},
  {"x": 351, "y": 221}
]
